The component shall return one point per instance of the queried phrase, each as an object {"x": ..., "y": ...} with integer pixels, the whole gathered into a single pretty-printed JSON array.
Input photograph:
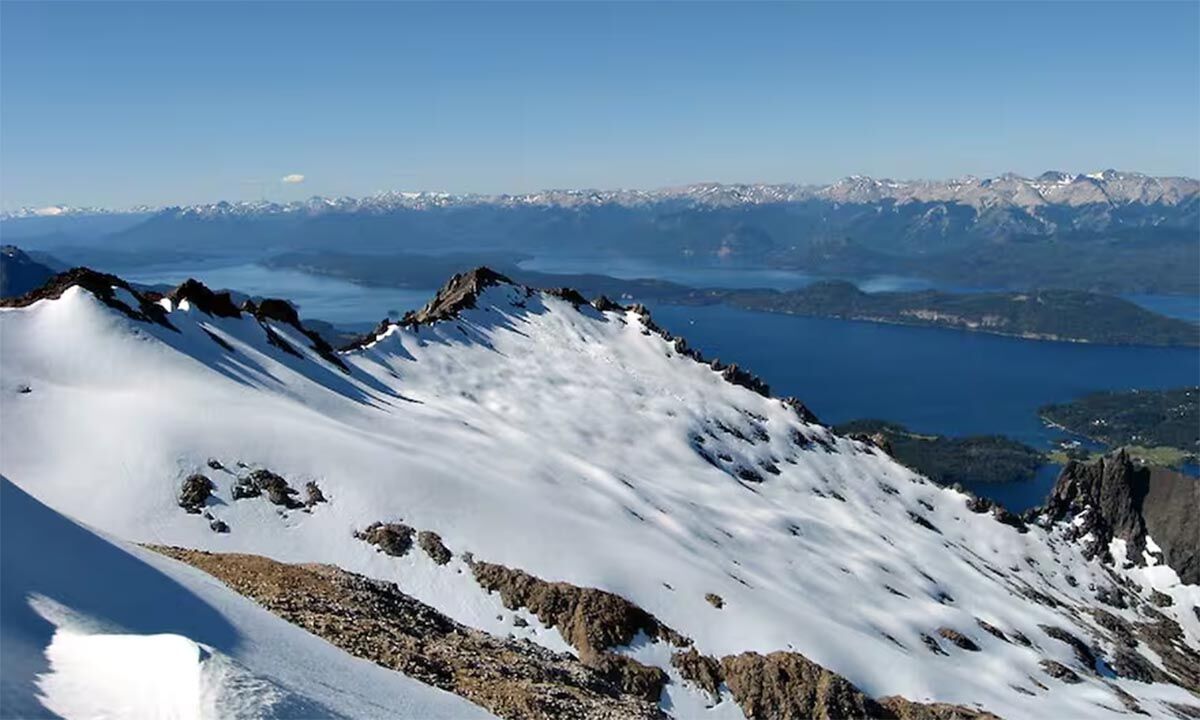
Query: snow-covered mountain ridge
[
  {"x": 579, "y": 443},
  {"x": 1106, "y": 188}
]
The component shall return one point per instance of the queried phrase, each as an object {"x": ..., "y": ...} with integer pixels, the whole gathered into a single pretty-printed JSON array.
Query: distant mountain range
[
  {"x": 1112, "y": 232},
  {"x": 1109, "y": 187}
]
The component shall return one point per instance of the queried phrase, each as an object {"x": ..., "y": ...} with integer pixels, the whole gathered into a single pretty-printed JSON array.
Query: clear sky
[{"x": 120, "y": 104}]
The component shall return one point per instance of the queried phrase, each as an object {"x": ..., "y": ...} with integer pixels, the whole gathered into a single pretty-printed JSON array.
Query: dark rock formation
[
  {"x": 634, "y": 678},
  {"x": 569, "y": 294},
  {"x": 313, "y": 494},
  {"x": 748, "y": 380},
  {"x": 195, "y": 492},
  {"x": 277, "y": 309},
  {"x": 394, "y": 539},
  {"x": 958, "y": 639},
  {"x": 603, "y": 304},
  {"x": 432, "y": 544},
  {"x": 1083, "y": 653},
  {"x": 264, "y": 481},
  {"x": 1130, "y": 502},
  {"x": 700, "y": 670},
  {"x": 100, "y": 285},
  {"x": 200, "y": 297},
  {"x": 456, "y": 295},
  {"x": 1060, "y": 672},
  {"x": 1165, "y": 637},
  {"x": 218, "y": 526},
  {"x": 991, "y": 629},
  {"x": 801, "y": 410},
  {"x": 715, "y": 600}
]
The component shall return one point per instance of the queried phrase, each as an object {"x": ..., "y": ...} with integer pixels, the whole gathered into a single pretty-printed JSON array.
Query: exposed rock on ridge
[
  {"x": 1121, "y": 499},
  {"x": 101, "y": 285},
  {"x": 375, "y": 620}
]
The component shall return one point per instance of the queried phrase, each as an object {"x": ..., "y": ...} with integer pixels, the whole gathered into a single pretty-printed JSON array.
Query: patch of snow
[{"x": 561, "y": 441}]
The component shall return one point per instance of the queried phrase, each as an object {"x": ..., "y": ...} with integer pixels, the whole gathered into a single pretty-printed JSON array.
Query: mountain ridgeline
[
  {"x": 548, "y": 507},
  {"x": 1110, "y": 232}
]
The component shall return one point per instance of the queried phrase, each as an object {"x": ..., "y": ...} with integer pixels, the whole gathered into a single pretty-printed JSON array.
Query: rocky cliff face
[{"x": 1152, "y": 509}]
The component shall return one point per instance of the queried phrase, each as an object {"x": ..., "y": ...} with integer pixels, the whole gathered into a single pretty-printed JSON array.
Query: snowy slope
[
  {"x": 169, "y": 641},
  {"x": 573, "y": 444}
]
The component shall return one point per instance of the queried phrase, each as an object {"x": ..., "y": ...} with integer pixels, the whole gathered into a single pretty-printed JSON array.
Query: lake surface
[
  {"x": 705, "y": 275},
  {"x": 932, "y": 380}
]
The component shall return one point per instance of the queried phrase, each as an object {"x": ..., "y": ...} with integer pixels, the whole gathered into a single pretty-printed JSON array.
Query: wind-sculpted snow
[
  {"x": 96, "y": 628},
  {"x": 576, "y": 445}
]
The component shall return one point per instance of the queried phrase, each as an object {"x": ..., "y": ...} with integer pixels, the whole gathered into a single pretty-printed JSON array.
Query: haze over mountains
[
  {"x": 1107, "y": 232},
  {"x": 1108, "y": 187}
]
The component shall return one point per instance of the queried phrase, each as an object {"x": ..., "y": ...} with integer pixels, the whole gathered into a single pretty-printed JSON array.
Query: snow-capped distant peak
[{"x": 1052, "y": 187}]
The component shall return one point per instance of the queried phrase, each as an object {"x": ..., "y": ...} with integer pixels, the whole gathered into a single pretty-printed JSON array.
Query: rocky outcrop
[
  {"x": 905, "y": 709},
  {"x": 284, "y": 312},
  {"x": 591, "y": 620},
  {"x": 433, "y": 546},
  {"x": 374, "y": 620},
  {"x": 571, "y": 295},
  {"x": 264, "y": 481},
  {"x": 1059, "y": 671},
  {"x": 459, "y": 294},
  {"x": 958, "y": 639},
  {"x": 313, "y": 494},
  {"x": 603, "y": 304},
  {"x": 1165, "y": 637},
  {"x": 789, "y": 686},
  {"x": 196, "y": 294},
  {"x": 1118, "y": 498},
  {"x": 393, "y": 539},
  {"x": 701, "y": 670},
  {"x": 103, "y": 287},
  {"x": 715, "y": 600},
  {"x": 195, "y": 492}
]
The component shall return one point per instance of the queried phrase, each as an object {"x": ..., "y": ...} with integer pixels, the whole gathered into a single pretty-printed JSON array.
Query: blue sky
[{"x": 119, "y": 104}]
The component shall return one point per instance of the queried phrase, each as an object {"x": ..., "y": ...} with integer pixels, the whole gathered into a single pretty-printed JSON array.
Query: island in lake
[
  {"x": 950, "y": 460},
  {"x": 1063, "y": 315},
  {"x": 1161, "y": 427},
  {"x": 1059, "y": 315}
]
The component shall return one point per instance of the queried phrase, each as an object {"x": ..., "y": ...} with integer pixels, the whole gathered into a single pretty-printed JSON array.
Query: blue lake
[{"x": 932, "y": 380}]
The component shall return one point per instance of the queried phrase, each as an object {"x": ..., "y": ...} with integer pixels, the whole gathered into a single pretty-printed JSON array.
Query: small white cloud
[{"x": 292, "y": 179}]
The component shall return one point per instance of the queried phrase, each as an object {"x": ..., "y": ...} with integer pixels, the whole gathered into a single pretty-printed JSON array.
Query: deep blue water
[{"x": 936, "y": 381}]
